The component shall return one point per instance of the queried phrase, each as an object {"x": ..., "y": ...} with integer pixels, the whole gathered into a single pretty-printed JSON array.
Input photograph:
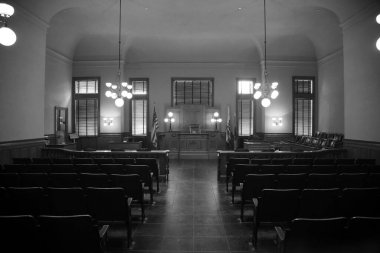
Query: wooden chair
[
  {"x": 145, "y": 176},
  {"x": 63, "y": 168},
  {"x": 311, "y": 235},
  {"x": 124, "y": 161},
  {"x": 324, "y": 161},
  {"x": 321, "y": 181},
  {"x": 9, "y": 180},
  {"x": 274, "y": 206},
  {"x": 88, "y": 168},
  {"x": 303, "y": 161},
  {"x": 113, "y": 168},
  {"x": 282, "y": 161},
  {"x": 75, "y": 233},
  {"x": 352, "y": 180},
  {"x": 297, "y": 169},
  {"x": 252, "y": 187},
  {"x": 64, "y": 180},
  {"x": 152, "y": 163},
  {"x": 230, "y": 167},
  {"x": 291, "y": 181},
  {"x": 19, "y": 233},
  {"x": 34, "y": 180},
  {"x": 239, "y": 173},
  {"x": 94, "y": 180},
  {"x": 318, "y": 203},
  {"x": 110, "y": 204},
  {"x": 66, "y": 201},
  {"x": 21, "y": 160},
  {"x": 83, "y": 160},
  {"x": 323, "y": 169},
  {"x": 360, "y": 202},
  {"x": 363, "y": 234},
  {"x": 61, "y": 161},
  {"x": 41, "y": 160},
  {"x": 28, "y": 201},
  {"x": 100, "y": 161},
  {"x": 133, "y": 187}
]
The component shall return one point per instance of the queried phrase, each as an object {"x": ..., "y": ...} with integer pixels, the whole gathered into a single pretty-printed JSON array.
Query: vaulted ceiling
[{"x": 194, "y": 30}]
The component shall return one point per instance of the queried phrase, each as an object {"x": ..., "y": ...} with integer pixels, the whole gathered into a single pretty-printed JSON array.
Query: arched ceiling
[{"x": 194, "y": 30}]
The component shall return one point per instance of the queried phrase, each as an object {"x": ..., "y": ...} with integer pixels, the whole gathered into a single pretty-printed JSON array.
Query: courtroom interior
[{"x": 190, "y": 126}]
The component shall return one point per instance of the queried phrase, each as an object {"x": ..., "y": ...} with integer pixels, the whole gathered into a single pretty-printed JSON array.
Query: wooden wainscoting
[
  {"x": 20, "y": 148},
  {"x": 362, "y": 149}
]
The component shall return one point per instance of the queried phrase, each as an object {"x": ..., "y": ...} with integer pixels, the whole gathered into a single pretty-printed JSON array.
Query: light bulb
[
  {"x": 274, "y": 85},
  {"x": 166, "y": 120},
  {"x": 378, "y": 19},
  {"x": 124, "y": 84},
  {"x": 172, "y": 120},
  {"x": 114, "y": 95},
  {"x": 257, "y": 94},
  {"x": 129, "y": 95},
  {"x": 129, "y": 86},
  {"x": 6, "y": 10},
  {"x": 257, "y": 86},
  {"x": 219, "y": 120},
  {"x": 170, "y": 114},
  {"x": 119, "y": 102},
  {"x": 274, "y": 94},
  {"x": 7, "y": 36},
  {"x": 265, "y": 102},
  {"x": 108, "y": 84},
  {"x": 216, "y": 114},
  {"x": 378, "y": 44},
  {"x": 114, "y": 86},
  {"x": 108, "y": 93},
  {"x": 124, "y": 93},
  {"x": 212, "y": 120}
]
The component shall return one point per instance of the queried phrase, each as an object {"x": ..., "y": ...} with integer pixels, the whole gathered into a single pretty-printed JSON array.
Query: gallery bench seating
[
  {"x": 280, "y": 206},
  {"x": 254, "y": 184},
  {"x": 131, "y": 183},
  {"x": 103, "y": 204},
  {"x": 81, "y": 164},
  {"x": 337, "y": 234}
]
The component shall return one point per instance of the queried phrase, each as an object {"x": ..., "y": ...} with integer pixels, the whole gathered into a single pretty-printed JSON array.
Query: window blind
[
  {"x": 86, "y": 116},
  {"x": 139, "y": 117},
  {"x": 303, "y": 105},
  {"x": 192, "y": 91}
]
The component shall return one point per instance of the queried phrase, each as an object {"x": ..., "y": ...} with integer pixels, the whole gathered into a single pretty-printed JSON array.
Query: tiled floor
[{"x": 192, "y": 213}]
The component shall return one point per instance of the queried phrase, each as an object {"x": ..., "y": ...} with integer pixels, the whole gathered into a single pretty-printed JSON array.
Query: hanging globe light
[{"x": 119, "y": 102}]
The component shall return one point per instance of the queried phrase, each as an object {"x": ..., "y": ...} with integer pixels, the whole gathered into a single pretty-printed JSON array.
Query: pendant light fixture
[
  {"x": 119, "y": 90},
  {"x": 265, "y": 90},
  {"x": 7, "y": 35}
]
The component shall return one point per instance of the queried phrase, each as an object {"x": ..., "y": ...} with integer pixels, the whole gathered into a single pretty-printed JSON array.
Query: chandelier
[
  {"x": 119, "y": 90},
  {"x": 266, "y": 91},
  {"x": 7, "y": 35}
]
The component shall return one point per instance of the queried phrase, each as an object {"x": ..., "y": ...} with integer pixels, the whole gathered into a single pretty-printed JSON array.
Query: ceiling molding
[
  {"x": 371, "y": 9},
  {"x": 194, "y": 65},
  {"x": 112, "y": 63},
  {"x": 31, "y": 17},
  {"x": 330, "y": 57},
  {"x": 289, "y": 63},
  {"x": 58, "y": 56}
]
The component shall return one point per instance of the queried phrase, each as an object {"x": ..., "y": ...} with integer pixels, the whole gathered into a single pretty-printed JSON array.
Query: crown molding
[
  {"x": 30, "y": 16},
  {"x": 289, "y": 63},
  {"x": 58, "y": 56},
  {"x": 371, "y": 9},
  {"x": 330, "y": 57},
  {"x": 111, "y": 63}
]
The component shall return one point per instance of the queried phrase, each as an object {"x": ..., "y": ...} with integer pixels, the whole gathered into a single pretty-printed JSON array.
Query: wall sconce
[
  {"x": 216, "y": 119},
  {"x": 108, "y": 121},
  {"x": 170, "y": 120},
  {"x": 276, "y": 121}
]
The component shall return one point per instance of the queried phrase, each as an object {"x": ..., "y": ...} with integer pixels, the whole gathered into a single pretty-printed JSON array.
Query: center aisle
[{"x": 193, "y": 213}]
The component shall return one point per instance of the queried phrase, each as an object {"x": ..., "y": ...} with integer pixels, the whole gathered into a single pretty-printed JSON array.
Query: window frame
[
  {"x": 249, "y": 97},
  {"x": 174, "y": 79},
  {"x": 311, "y": 97},
  {"x": 76, "y": 96},
  {"x": 139, "y": 97}
]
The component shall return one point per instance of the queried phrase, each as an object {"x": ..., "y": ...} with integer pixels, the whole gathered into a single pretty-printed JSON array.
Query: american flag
[
  {"x": 153, "y": 136},
  {"x": 229, "y": 136}
]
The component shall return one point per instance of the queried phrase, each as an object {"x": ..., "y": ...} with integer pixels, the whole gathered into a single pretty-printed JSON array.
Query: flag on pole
[
  {"x": 229, "y": 136},
  {"x": 153, "y": 134}
]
